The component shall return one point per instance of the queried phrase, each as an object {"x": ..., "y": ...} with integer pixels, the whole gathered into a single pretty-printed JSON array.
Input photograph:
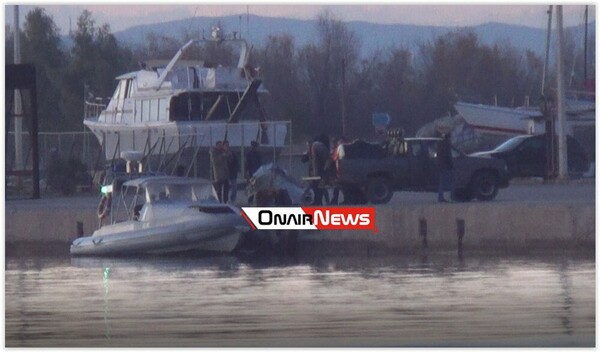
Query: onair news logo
[{"x": 310, "y": 218}]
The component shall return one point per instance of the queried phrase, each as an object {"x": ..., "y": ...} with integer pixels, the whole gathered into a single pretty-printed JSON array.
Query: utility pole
[
  {"x": 562, "y": 138},
  {"x": 547, "y": 111},
  {"x": 18, "y": 110},
  {"x": 343, "y": 100},
  {"x": 546, "y": 62},
  {"x": 585, "y": 44}
]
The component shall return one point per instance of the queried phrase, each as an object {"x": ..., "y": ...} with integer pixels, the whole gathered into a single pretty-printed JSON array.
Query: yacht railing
[{"x": 93, "y": 109}]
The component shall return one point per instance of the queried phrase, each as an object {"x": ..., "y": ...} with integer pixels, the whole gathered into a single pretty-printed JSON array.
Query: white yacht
[
  {"x": 171, "y": 105},
  {"x": 162, "y": 214}
]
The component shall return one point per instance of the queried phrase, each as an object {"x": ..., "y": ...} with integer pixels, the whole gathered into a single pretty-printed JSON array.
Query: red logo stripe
[{"x": 248, "y": 219}]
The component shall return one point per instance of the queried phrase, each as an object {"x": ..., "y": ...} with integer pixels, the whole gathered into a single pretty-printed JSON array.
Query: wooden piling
[
  {"x": 460, "y": 233},
  {"x": 423, "y": 231}
]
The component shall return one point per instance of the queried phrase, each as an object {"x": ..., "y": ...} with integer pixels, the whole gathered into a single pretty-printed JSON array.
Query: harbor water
[{"x": 435, "y": 299}]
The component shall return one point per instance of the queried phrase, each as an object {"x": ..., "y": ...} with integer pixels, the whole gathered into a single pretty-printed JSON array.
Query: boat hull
[
  {"x": 501, "y": 121},
  {"x": 164, "y": 239}
]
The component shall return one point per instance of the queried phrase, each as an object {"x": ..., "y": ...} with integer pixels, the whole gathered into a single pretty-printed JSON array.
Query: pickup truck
[{"x": 409, "y": 164}]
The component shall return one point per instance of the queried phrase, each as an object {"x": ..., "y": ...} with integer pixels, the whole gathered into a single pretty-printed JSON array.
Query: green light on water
[{"x": 106, "y": 273}]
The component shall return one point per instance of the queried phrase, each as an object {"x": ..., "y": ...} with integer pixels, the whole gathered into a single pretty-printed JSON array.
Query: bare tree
[{"x": 336, "y": 50}]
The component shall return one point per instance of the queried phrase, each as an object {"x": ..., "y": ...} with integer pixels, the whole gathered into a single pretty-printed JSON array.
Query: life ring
[{"x": 104, "y": 206}]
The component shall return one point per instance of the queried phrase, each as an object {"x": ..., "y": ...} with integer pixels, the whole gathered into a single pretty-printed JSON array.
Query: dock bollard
[
  {"x": 79, "y": 229},
  {"x": 423, "y": 231},
  {"x": 460, "y": 233}
]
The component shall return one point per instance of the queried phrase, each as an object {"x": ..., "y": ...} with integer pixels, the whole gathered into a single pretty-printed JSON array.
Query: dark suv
[{"x": 525, "y": 156}]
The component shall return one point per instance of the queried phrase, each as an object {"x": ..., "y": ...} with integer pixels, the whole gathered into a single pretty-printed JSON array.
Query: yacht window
[
  {"x": 145, "y": 110},
  {"x": 154, "y": 109},
  {"x": 122, "y": 91},
  {"x": 129, "y": 88},
  {"x": 186, "y": 107}
]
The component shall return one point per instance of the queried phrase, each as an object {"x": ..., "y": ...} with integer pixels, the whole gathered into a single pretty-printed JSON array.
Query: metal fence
[{"x": 83, "y": 146}]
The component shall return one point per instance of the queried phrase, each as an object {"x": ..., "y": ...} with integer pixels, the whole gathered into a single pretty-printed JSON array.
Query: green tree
[
  {"x": 96, "y": 59},
  {"x": 41, "y": 46},
  {"x": 279, "y": 67}
]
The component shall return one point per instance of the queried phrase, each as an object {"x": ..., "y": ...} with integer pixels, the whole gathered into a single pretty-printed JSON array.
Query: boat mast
[{"x": 562, "y": 138}]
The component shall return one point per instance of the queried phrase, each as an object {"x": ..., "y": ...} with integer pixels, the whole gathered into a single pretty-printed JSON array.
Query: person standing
[
  {"x": 220, "y": 171},
  {"x": 445, "y": 168},
  {"x": 252, "y": 162},
  {"x": 233, "y": 167},
  {"x": 335, "y": 157},
  {"x": 319, "y": 153}
]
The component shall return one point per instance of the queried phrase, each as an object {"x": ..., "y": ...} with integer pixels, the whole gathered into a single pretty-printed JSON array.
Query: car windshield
[{"x": 510, "y": 144}]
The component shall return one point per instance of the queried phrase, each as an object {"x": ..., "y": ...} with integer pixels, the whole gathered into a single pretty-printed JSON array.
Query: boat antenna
[
  {"x": 192, "y": 20},
  {"x": 248, "y": 21},
  {"x": 240, "y": 23}
]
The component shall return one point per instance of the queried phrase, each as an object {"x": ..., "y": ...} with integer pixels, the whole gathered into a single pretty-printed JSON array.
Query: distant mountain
[{"x": 373, "y": 36}]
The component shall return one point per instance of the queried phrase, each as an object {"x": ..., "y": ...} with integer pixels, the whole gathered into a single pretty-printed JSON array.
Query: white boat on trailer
[
  {"x": 169, "y": 105},
  {"x": 505, "y": 121},
  {"x": 163, "y": 214},
  {"x": 501, "y": 120}
]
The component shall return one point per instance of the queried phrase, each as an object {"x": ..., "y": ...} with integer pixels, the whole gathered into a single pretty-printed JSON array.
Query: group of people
[
  {"x": 322, "y": 168},
  {"x": 225, "y": 168}
]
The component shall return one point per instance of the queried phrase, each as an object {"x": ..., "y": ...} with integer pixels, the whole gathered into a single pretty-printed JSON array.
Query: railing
[
  {"x": 164, "y": 148},
  {"x": 93, "y": 109}
]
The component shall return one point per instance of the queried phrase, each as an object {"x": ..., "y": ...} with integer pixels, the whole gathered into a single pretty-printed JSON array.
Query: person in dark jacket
[
  {"x": 252, "y": 163},
  {"x": 233, "y": 167},
  {"x": 220, "y": 171},
  {"x": 253, "y": 160},
  {"x": 445, "y": 167},
  {"x": 319, "y": 154}
]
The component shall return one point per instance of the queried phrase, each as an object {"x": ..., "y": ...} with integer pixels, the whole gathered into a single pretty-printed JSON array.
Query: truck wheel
[
  {"x": 462, "y": 195},
  {"x": 353, "y": 195},
  {"x": 379, "y": 190},
  {"x": 484, "y": 186}
]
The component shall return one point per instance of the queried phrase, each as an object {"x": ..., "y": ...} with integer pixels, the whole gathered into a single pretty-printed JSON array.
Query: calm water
[{"x": 406, "y": 300}]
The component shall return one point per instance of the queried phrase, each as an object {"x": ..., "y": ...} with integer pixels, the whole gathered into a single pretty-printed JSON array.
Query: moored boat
[{"x": 162, "y": 214}]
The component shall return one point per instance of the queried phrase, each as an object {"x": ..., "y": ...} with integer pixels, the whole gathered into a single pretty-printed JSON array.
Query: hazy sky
[{"x": 120, "y": 17}]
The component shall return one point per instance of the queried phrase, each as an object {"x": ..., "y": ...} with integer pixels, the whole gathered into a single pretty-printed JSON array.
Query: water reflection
[
  {"x": 430, "y": 299},
  {"x": 105, "y": 277}
]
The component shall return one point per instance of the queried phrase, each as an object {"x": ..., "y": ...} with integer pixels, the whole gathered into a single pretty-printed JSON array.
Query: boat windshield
[
  {"x": 510, "y": 144},
  {"x": 178, "y": 192}
]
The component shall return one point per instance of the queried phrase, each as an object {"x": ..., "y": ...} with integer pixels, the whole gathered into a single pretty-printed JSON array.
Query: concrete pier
[
  {"x": 478, "y": 225},
  {"x": 49, "y": 219},
  {"x": 401, "y": 225}
]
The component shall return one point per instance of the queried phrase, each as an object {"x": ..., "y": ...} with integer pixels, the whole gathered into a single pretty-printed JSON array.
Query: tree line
[{"x": 319, "y": 84}]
